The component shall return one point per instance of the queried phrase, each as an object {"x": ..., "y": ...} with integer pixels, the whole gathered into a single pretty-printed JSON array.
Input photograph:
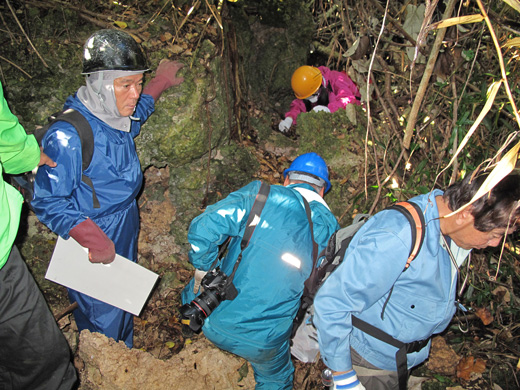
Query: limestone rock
[
  {"x": 443, "y": 359},
  {"x": 110, "y": 365}
]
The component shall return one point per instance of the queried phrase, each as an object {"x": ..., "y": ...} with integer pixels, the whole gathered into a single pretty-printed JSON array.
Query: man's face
[
  {"x": 467, "y": 237},
  {"x": 127, "y": 90}
]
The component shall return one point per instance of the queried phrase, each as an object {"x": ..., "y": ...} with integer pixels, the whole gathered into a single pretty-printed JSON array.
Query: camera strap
[
  {"x": 311, "y": 226},
  {"x": 252, "y": 222}
]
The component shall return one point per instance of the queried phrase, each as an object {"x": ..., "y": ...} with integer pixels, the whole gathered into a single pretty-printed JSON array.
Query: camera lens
[
  {"x": 216, "y": 290},
  {"x": 207, "y": 302},
  {"x": 192, "y": 316},
  {"x": 201, "y": 307}
]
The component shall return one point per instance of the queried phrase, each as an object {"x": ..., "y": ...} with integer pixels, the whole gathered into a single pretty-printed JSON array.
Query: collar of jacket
[{"x": 309, "y": 194}]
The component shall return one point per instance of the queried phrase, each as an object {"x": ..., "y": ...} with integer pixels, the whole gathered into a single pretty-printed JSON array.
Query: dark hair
[{"x": 496, "y": 209}]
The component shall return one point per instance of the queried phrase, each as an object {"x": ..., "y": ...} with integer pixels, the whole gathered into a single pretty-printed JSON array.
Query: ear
[
  {"x": 322, "y": 192},
  {"x": 464, "y": 217},
  {"x": 286, "y": 182}
]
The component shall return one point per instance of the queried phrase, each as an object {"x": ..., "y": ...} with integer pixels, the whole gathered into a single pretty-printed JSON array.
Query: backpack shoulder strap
[
  {"x": 86, "y": 137},
  {"x": 83, "y": 128},
  {"x": 415, "y": 217}
]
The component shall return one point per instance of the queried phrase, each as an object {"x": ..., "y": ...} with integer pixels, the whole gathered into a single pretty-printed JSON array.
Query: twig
[
  {"x": 7, "y": 28},
  {"x": 425, "y": 81},
  {"x": 193, "y": 7},
  {"x": 16, "y": 66},
  {"x": 66, "y": 311},
  {"x": 382, "y": 101},
  {"x": 154, "y": 16},
  {"x": 388, "y": 85},
  {"x": 369, "y": 118},
  {"x": 66, "y": 5},
  {"x": 423, "y": 33},
  {"x": 96, "y": 22},
  {"x": 24, "y": 33},
  {"x": 398, "y": 26},
  {"x": 500, "y": 60},
  {"x": 454, "y": 129}
]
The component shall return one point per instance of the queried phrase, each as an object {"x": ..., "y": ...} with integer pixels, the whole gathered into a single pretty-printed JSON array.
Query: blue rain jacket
[
  {"x": 269, "y": 288},
  {"x": 422, "y": 302},
  {"x": 62, "y": 200}
]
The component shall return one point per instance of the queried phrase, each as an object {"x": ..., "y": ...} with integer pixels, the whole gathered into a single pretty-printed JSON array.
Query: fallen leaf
[
  {"x": 502, "y": 293},
  {"x": 468, "y": 366},
  {"x": 176, "y": 49},
  {"x": 484, "y": 315},
  {"x": 120, "y": 24}
]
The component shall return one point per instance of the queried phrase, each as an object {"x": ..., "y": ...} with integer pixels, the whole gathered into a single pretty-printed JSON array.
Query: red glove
[
  {"x": 165, "y": 77},
  {"x": 89, "y": 235}
]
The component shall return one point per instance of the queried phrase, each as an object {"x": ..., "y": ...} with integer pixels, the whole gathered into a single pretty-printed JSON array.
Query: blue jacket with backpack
[
  {"x": 269, "y": 278},
  {"x": 422, "y": 300}
]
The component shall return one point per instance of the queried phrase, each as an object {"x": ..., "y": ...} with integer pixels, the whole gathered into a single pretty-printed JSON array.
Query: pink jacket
[{"x": 344, "y": 91}]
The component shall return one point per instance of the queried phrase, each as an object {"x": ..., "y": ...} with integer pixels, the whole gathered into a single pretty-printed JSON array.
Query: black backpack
[
  {"x": 25, "y": 182},
  {"x": 304, "y": 343}
]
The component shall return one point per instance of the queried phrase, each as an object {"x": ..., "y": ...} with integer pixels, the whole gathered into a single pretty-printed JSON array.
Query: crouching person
[{"x": 269, "y": 277}]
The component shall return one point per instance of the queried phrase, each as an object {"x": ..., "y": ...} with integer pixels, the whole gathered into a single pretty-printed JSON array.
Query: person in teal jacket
[
  {"x": 112, "y": 102},
  {"x": 256, "y": 325},
  {"x": 413, "y": 305},
  {"x": 33, "y": 352}
]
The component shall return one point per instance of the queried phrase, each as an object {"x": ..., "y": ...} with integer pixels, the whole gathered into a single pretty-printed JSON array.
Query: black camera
[{"x": 217, "y": 288}]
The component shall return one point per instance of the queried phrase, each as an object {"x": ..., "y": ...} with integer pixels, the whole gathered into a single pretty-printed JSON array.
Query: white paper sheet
[{"x": 122, "y": 283}]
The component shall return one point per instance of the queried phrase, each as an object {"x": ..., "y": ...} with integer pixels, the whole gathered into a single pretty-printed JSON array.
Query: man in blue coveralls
[
  {"x": 112, "y": 103},
  {"x": 256, "y": 325}
]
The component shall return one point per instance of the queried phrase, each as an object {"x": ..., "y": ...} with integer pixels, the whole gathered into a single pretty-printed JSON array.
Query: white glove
[
  {"x": 321, "y": 108},
  {"x": 285, "y": 125},
  {"x": 199, "y": 274},
  {"x": 347, "y": 381}
]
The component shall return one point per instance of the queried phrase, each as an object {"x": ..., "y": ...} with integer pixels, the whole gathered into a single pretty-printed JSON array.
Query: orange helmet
[{"x": 305, "y": 81}]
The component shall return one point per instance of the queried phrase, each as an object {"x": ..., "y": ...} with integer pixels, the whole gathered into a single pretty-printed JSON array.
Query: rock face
[
  {"x": 443, "y": 359},
  {"x": 109, "y": 365}
]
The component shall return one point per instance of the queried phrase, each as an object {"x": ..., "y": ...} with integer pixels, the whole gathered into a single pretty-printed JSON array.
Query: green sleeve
[{"x": 19, "y": 152}]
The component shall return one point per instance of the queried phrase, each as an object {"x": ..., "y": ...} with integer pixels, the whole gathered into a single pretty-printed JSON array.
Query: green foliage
[
  {"x": 339, "y": 142},
  {"x": 186, "y": 121}
]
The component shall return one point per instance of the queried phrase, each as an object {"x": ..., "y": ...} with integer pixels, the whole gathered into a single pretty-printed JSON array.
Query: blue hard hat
[{"x": 312, "y": 164}]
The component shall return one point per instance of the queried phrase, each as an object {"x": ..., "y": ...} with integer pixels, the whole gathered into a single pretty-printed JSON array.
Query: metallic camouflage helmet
[{"x": 112, "y": 50}]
